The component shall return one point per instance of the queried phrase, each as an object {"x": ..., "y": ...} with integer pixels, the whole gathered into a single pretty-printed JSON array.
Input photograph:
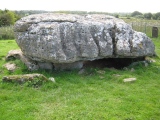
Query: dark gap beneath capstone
[{"x": 117, "y": 63}]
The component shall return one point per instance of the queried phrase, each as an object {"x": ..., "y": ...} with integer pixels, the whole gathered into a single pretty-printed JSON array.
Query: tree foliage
[
  {"x": 156, "y": 16},
  {"x": 7, "y": 17},
  {"x": 135, "y": 13},
  {"x": 148, "y": 16}
]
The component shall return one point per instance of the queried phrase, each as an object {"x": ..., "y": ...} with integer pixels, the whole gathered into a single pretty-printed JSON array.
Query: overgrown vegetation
[
  {"x": 94, "y": 94},
  {"x": 7, "y": 20},
  {"x": 6, "y": 32}
]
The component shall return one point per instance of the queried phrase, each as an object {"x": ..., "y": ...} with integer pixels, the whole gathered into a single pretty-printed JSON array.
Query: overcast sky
[{"x": 83, "y": 5}]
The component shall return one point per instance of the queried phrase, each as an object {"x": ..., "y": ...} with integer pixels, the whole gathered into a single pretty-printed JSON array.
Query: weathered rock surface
[
  {"x": 64, "y": 39},
  {"x": 24, "y": 78},
  {"x": 10, "y": 66}
]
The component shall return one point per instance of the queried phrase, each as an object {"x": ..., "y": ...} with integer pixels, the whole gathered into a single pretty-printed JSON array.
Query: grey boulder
[{"x": 68, "y": 40}]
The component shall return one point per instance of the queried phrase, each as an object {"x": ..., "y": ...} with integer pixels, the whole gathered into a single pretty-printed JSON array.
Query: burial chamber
[{"x": 65, "y": 41}]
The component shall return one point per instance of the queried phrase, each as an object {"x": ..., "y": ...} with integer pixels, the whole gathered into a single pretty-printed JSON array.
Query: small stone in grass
[
  {"x": 10, "y": 66},
  {"x": 129, "y": 79},
  {"x": 51, "y": 79}
]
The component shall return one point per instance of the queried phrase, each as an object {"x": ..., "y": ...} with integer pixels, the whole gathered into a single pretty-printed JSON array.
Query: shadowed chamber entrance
[{"x": 118, "y": 63}]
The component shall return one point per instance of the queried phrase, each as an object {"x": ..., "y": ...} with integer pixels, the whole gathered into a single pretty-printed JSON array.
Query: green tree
[
  {"x": 157, "y": 15},
  {"x": 148, "y": 16},
  {"x": 7, "y": 18},
  {"x": 154, "y": 16},
  {"x": 135, "y": 13}
]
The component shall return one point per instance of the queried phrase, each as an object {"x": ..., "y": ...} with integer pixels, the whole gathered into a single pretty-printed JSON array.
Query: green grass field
[
  {"x": 93, "y": 95},
  {"x": 98, "y": 94}
]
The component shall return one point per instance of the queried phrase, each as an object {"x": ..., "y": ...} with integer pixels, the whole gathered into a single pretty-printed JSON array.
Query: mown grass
[{"x": 97, "y": 94}]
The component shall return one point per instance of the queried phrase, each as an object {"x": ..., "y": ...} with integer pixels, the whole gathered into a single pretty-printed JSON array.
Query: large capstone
[{"x": 63, "y": 39}]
